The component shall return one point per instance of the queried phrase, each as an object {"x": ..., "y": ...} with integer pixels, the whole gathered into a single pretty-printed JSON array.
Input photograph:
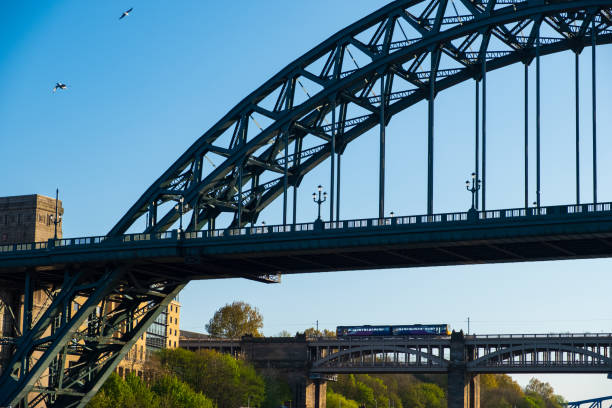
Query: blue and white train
[{"x": 401, "y": 330}]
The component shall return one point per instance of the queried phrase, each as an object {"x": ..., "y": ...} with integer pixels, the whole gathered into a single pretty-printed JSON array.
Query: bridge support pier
[
  {"x": 463, "y": 387},
  {"x": 316, "y": 394}
]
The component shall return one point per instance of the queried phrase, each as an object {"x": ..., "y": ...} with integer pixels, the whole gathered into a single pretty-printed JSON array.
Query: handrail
[{"x": 387, "y": 222}]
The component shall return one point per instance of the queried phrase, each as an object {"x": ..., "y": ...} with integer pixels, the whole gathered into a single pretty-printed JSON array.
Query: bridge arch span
[
  {"x": 545, "y": 356},
  {"x": 275, "y": 136},
  {"x": 346, "y": 359}
]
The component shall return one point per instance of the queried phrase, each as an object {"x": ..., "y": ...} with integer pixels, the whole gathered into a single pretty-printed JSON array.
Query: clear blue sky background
[{"x": 142, "y": 89}]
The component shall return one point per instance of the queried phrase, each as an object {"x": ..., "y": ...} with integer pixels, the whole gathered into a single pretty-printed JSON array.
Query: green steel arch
[{"x": 356, "y": 80}]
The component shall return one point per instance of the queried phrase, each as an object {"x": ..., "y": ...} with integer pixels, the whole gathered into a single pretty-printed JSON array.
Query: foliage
[
  {"x": 544, "y": 390},
  {"x": 311, "y": 332},
  {"x": 235, "y": 320},
  {"x": 424, "y": 395},
  {"x": 277, "y": 392},
  {"x": 166, "y": 392},
  {"x": 498, "y": 390},
  {"x": 541, "y": 391},
  {"x": 429, "y": 391},
  {"x": 229, "y": 382},
  {"x": 338, "y": 401},
  {"x": 176, "y": 394},
  {"x": 128, "y": 393},
  {"x": 361, "y": 388},
  {"x": 284, "y": 333}
]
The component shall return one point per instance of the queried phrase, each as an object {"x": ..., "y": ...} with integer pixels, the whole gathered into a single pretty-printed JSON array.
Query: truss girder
[
  {"x": 68, "y": 353},
  {"x": 295, "y": 105}
]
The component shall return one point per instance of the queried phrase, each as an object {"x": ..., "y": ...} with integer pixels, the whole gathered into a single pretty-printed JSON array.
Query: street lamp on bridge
[
  {"x": 473, "y": 189},
  {"x": 319, "y": 201}
]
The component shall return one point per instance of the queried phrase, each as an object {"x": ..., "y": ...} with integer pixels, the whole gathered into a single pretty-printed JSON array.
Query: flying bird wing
[{"x": 125, "y": 13}]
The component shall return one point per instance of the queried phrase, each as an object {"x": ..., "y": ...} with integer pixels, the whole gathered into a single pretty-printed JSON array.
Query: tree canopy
[
  {"x": 235, "y": 320},
  {"x": 166, "y": 392},
  {"x": 312, "y": 332},
  {"x": 229, "y": 382}
]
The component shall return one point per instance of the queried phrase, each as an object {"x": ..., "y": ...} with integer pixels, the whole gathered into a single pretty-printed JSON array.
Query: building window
[{"x": 18, "y": 219}]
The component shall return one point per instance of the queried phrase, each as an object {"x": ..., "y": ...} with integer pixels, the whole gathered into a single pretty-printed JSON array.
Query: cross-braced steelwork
[
  {"x": 93, "y": 319},
  {"x": 603, "y": 402},
  {"x": 357, "y": 80},
  {"x": 575, "y": 353}
]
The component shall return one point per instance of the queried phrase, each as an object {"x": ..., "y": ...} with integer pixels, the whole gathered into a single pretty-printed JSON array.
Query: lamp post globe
[{"x": 319, "y": 200}]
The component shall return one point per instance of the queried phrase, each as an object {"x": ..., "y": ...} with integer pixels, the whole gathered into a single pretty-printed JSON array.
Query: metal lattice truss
[
  {"x": 604, "y": 402},
  {"x": 527, "y": 354},
  {"x": 406, "y": 52},
  {"x": 78, "y": 337}
]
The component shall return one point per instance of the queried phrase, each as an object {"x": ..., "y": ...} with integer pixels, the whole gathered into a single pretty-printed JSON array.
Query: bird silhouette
[
  {"x": 126, "y": 13},
  {"x": 59, "y": 85}
]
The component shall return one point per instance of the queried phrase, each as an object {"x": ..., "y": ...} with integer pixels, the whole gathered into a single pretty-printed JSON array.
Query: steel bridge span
[{"x": 358, "y": 80}]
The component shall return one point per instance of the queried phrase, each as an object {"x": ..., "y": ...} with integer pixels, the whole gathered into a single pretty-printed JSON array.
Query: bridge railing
[
  {"x": 543, "y": 336},
  {"x": 387, "y": 222}
]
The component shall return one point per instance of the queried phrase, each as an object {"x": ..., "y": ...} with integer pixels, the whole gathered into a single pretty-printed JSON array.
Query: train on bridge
[{"x": 398, "y": 330}]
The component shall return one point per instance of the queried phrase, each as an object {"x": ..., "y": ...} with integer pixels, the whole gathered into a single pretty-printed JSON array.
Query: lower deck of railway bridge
[{"x": 308, "y": 363}]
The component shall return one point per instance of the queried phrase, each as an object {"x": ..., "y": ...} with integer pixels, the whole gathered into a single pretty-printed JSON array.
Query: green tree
[
  {"x": 129, "y": 393},
  {"x": 500, "y": 390},
  {"x": 235, "y": 320},
  {"x": 277, "y": 392},
  {"x": 230, "y": 383},
  {"x": 174, "y": 393},
  {"x": 284, "y": 333},
  {"x": 334, "y": 400},
  {"x": 424, "y": 395},
  {"x": 544, "y": 392}
]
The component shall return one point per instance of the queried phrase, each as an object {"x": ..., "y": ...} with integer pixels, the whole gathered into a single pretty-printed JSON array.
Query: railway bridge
[{"x": 461, "y": 357}]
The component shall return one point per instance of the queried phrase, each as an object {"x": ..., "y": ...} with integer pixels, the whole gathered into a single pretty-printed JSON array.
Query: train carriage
[{"x": 397, "y": 330}]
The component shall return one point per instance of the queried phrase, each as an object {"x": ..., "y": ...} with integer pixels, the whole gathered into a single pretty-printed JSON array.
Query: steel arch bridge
[
  {"x": 357, "y": 80},
  {"x": 522, "y": 353}
]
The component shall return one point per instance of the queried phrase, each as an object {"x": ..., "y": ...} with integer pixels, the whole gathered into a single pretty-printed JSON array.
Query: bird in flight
[
  {"x": 126, "y": 13},
  {"x": 59, "y": 85}
]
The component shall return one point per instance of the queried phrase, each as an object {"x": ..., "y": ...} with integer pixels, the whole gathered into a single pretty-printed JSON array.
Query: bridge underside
[{"x": 396, "y": 245}]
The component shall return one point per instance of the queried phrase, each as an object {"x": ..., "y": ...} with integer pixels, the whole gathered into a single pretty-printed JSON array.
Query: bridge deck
[{"x": 513, "y": 235}]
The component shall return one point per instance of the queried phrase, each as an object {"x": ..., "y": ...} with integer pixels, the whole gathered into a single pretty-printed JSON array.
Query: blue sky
[{"x": 142, "y": 89}]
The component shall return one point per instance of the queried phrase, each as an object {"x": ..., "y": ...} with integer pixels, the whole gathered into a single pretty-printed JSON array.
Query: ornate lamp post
[
  {"x": 56, "y": 218},
  {"x": 473, "y": 189},
  {"x": 319, "y": 201}
]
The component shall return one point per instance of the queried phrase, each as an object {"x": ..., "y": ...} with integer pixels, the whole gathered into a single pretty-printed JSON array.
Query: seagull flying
[
  {"x": 59, "y": 85},
  {"x": 126, "y": 13}
]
